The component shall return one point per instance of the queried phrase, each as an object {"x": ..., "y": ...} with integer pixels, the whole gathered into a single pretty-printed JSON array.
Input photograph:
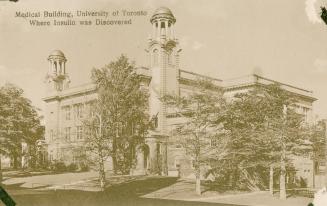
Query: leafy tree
[
  {"x": 97, "y": 142},
  {"x": 323, "y": 14},
  {"x": 199, "y": 113},
  {"x": 248, "y": 146},
  {"x": 19, "y": 122},
  {"x": 287, "y": 129},
  {"x": 265, "y": 131},
  {"x": 120, "y": 113},
  {"x": 317, "y": 140}
]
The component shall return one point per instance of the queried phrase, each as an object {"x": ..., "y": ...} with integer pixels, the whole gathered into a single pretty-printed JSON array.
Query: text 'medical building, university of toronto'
[{"x": 66, "y": 107}]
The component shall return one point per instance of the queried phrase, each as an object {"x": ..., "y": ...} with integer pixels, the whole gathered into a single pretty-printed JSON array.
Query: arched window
[
  {"x": 60, "y": 67},
  {"x": 55, "y": 67}
]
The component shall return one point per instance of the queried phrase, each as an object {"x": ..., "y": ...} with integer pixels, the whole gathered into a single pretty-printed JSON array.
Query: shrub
[
  {"x": 59, "y": 167},
  {"x": 83, "y": 167},
  {"x": 72, "y": 167}
]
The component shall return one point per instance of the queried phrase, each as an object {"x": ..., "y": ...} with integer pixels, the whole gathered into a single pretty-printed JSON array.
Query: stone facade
[{"x": 66, "y": 107}]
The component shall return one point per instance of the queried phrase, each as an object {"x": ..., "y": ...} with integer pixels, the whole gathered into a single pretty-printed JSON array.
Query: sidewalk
[
  {"x": 184, "y": 190},
  {"x": 85, "y": 181},
  {"x": 51, "y": 180},
  {"x": 257, "y": 199}
]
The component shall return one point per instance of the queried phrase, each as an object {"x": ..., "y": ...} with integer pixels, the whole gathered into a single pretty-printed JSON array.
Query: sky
[{"x": 285, "y": 40}]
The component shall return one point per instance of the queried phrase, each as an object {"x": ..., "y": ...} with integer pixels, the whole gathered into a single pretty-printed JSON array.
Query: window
[
  {"x": 79, "y": 132},
  {"x": 51, "y": 156},
  {"x": 51, "y": 135},
  {"x": 78, "y": 109},
  {"x": 305, "y": 113},
  {"x": 67, "y": 112},
  {"x": 67, "y": 133},
  {"x": 90, "y": 109},
  {"x": 177, "y": 162}
]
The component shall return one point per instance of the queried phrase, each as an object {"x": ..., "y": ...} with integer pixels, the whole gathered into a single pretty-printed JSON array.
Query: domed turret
[
  {"x": 57, "y": 63},
  {"x": 163, "y": 12},
  {"x": 162, "y": 22},
  {"x": 57, "y": 70},
  {"x": 57, "y": 53}
]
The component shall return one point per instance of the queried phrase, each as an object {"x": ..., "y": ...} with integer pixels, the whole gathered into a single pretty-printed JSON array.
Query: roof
[
  {"x": 254, "y": 79},
  {"x": 57, "y": 53},
  {"x": 163, "y": 10}
]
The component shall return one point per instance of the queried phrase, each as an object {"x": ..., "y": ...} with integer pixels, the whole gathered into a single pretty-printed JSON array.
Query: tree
[
  {"x": 265, "y": 131},
  {"x": 317, "y": 140},
  {"x": 19, "y": 122},
  {"x": 323, "y": 14},
  {"x": 199, "y": 113},
  {"x": 249, "y": 146},
  {"x": 97, "y": 141},
  {"x": 120, "y": 114},
  {"x": 287, "y": 128}
]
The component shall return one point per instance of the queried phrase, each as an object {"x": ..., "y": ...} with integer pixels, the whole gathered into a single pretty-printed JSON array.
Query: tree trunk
[
  {"x": 282, "y": 178},
  {"x": 197, "y": 180},
  {"x": 15, "y": 160},
  {"x": 102, "y": 174},
  {"x": 114, "y": 156},
  {"x": 282, "y": 183},
  {"x": 164, "y": 160},
  {"x": 0, "y": 171},
  {"x": 271, "y": 180},
  {"x": 114, "y": 163}
]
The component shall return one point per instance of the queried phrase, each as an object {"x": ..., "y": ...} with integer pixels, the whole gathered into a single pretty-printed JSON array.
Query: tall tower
[
  {"x": 57, "y": 78},
  {"x": 163, "y": 53}
]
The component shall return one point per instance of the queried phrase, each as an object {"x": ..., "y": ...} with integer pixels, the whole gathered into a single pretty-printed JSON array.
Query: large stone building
[{"x": 66, "y": 107}]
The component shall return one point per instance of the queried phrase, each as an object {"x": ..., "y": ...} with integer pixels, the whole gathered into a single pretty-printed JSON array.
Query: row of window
[
  {"x": 304, "y": 111},
  {"x": 79, "y": 133},
  {"x": 68, "y": 133},
  {"x": 77, "y": 111}
]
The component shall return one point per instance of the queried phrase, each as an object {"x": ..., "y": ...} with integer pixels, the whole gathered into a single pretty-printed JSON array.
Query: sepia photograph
[{"x": 153, "y": 102}]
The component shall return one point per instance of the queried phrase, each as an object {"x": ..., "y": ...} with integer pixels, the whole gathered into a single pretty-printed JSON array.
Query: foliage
[
  {"x": 200, "y": 114},
  {"x": 323, "y": 14},
  {"x": 264, "y": 130},
  {"x": 59, "y": 166},
  {"x": 119, "y": 118},
  {"x": 19, "y": 122},
  {"x": 83, "y": 167},
  {"x": 317, "y": 138},
  {"x": 72, "y": 167}
]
